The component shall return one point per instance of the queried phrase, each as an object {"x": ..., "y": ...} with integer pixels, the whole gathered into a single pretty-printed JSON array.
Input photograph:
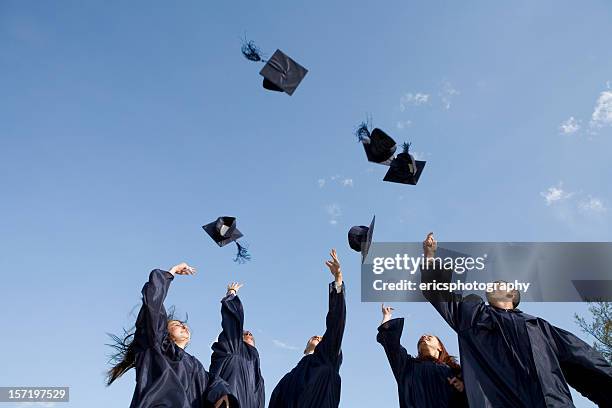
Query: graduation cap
[
  {"x": 404, "y": 168},
  {"x": 281, "y": 73},
  {"x": 360, "y": 238},
  {"x": 223, "y": 231},
  {"x": 379, "y": 146}
]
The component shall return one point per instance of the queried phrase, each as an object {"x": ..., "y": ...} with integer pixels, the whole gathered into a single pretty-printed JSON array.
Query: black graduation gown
[
  {"x": 166, "y": 375},
  {"x": 512, "y": 359},
  {"x": 420, "y": 383},
  {"x": 315, "y": 381},
  {"x": 235, "y": 361}
]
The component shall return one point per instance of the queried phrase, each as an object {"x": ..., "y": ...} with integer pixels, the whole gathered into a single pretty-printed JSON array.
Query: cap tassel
[
  {"x": 251, "y": 51},
  {"x": 412, "y": 164},
  {"x": 242, "y": 255},
  {"x": 406, "y": 147},
  {"x": 363, "y": 133}
]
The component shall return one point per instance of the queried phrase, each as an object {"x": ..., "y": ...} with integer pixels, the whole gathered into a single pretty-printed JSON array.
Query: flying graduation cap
[
  {"x": 281, "y": 73},
  {"x": 223, "y": 231},
  {"x": 379, "y": 146},
  {"x": 360, "y": 238},
  {"x": 404, "y": 168}
]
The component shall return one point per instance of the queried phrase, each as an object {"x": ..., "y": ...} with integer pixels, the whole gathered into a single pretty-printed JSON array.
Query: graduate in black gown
[
  {"x": 166, "y": 375},
  {"x": 315, "y": 381},
  {"x": 512, "y": 359},
  {"x": 235, "y": 358},
  {"x": 430, "y": 380}
]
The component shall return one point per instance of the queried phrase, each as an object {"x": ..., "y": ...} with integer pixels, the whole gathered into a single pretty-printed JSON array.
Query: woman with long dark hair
[
  {"x": 430, "y": 380},
  {"x": 166, "y": 375}
]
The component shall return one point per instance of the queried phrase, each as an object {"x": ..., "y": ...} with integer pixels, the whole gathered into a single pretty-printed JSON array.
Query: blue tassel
[
  {"x": 406, "y": 147},
  {"x": 251, "y": 51},
  {"x": 242, "y": 255},
  {"x": 362, "y": 132}
]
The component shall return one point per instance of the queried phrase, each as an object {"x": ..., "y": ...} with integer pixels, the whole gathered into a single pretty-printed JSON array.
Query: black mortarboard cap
[
  {"x": 404, "y": 168},
  {"x": 360, "y": 238},
  {"x": 281, "y": 73},
  {"x": 379, "y": 146},
  {"x": 223, "y": 231}
]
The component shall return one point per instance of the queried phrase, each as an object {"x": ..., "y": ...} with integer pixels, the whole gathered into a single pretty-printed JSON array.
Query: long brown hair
[
  {"x": 123, "y": 357},
  {"x": 443, "y": 358}
]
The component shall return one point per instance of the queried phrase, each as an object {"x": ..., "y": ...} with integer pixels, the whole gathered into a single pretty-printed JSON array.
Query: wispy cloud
[
  {"x": 402, "y": 124},
  {"x": 592, "y": 205},
  {"x": 575, "y": 208},
  {"x": 602, "y": 113},
  {"x": 600, "y": 118},
  {"x": 555, "y": 194},
  {"x": 283, "y": 345},
  {"x": 336, "y": 179},
  {"x": 570, "y": 126},
  {"x": 413, "y": 99},
  {"x": 334, "y": 212},
  {"x": 447, "y": 94}
]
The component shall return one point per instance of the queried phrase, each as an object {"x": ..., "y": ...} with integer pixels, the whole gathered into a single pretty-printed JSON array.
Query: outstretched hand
[
  {"x": 234, "y": 287},
  {"x": 182, "y": 269},
  {"x": 387, "y": 313},
  {"x": 334, "y": 267},
  {"x": 430, "y": 245}
]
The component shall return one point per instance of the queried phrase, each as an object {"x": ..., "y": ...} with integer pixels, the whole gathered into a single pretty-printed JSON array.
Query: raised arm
[
  {"x": 232, "y": 321},
  {"x": 152, "y": 321},
  {"x": 389, "y": 335},
  {"x": 457, "y": 311},
  {"x": 331, "y": 343},
  {"x": 584, "y": 368}
]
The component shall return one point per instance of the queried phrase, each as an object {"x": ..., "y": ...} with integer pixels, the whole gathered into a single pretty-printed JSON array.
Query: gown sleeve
[
  {"x": 584, "y": 368},
  {"x": 331, "y": 343},
  {"x": 389, "y": 335},
  {"x": 458, "y": 311},
  {"x": 152, "y": 321},
  {"x": 232, "y": 322},
  {"x": 217, "y": 388}
]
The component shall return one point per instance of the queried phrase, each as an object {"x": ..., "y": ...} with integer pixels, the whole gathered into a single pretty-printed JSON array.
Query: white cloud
[
  {"x": 415, "y": 99},
  {"x": 592, "y": 205},
  {"x": 401, "y": 124},
  {"x": 282, "y": 345},
  {"x": 602, "y": 114},
  {"x": 333, "y": 211},
  {"x": 337, "y": 180},
  {"x": 447, "y": 94},
  {"x": 570, "y": 126},
  {"x": 555, "y": 194}
]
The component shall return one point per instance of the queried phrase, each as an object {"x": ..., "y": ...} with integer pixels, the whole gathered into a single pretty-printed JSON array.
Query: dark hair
[
  {"x": 443, "y": 358},
  {"x": 123, "y": 357}
]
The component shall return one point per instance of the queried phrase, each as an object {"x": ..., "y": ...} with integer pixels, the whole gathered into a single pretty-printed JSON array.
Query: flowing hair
[
  {"x": 123, "y": 356},
  {"x": 443, "y": 358}
]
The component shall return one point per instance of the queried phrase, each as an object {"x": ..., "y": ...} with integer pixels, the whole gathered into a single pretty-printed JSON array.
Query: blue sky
[{"x": 124, "y": 127}]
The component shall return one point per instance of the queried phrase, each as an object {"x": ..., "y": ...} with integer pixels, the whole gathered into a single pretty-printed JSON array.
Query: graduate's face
[
  {"x": 248, "y": 338},
  {"x": 500, "y": 297},
  {"x": 429, "y": 346},
  {"x": 313, "y": 342},
  {"x": 178, "y": 331}
]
